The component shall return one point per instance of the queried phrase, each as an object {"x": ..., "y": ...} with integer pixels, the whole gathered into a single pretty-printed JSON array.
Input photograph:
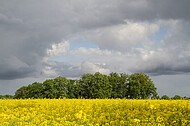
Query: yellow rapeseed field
[{"x": 94, "y": 112}]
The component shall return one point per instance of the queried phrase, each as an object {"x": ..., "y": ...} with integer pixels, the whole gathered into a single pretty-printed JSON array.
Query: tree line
[
  {"x": 114, "y": 85},
  {"x": 91, "y": 86}
]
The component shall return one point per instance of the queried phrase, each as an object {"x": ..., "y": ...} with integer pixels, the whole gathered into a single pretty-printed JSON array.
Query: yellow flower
[
  {"x": 136, "y": 120},
  {"x": 151, "y": 106},
  {"x": 97, "y": 124},
  {"x": 91, "y": 112},
  {"x": 107, "y": 124}
]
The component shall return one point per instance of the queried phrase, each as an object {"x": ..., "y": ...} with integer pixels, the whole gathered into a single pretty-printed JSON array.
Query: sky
[{"x": 45, "y": 39}]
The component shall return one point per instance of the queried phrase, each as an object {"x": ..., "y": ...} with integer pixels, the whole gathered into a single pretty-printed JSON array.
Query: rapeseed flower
[{"x": 93, "y": 112}]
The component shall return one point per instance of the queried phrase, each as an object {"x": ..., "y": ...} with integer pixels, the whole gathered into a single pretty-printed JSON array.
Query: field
[{"x": 94, "y": 112}]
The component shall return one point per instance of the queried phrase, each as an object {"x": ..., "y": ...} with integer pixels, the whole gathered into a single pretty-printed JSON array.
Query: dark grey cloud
[
  {"x": 153, "y": 10},
  {"x": 171, "y": 9},
  {"x": 15, "y": 69},
  {"x": 157, "y": 66}
]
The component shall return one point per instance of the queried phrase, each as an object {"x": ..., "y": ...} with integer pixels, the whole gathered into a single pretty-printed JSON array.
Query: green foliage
[
  {"x": 34, "y": 90},
  {"x": 21, "y": 92},
  {"x": 118, "y": 84},
  {"x": 57, "y": 88},
  {"x": 140, "y": 86},
  {"x": 97, "y": 85},
  {"x": 6, "y": 96},
  {"x": 165, "y": 97},
  {"x": 176, "y": 97},
  {"x": 116, "y": 87}
]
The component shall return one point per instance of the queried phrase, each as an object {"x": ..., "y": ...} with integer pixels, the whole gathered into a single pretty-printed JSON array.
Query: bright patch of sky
[
  {"x": 73, "y": 46},
  {"x": 156, "y": 37},
  {"x": 160, "y": 35}
]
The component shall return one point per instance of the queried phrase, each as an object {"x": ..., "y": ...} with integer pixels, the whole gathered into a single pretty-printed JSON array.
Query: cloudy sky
[{"x": 49, "y": 38}]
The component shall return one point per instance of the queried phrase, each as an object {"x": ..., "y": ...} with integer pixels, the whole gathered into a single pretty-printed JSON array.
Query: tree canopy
[
  {"x": 114, "y": 85},
  {"x": 165, "y": 97}
]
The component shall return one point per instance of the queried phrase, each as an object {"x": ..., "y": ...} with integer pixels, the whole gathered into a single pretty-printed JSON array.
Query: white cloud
[
  {"x": 123, "y": 37},
  {"x": 49, "y": 71},
  {"x": 89, "y": 67},
  {"x": 163, "y": 59},
  {"x": 58, "y": 49},
  {"x": 172, "y": 56}
]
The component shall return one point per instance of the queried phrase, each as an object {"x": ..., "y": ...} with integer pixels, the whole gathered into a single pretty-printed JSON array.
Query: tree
[
  {"x": 165, "y": 97},
  {"x": 61, "y": 87},
  {"x": 101, "y": 86},
  {"x": 118, "y": 84},
  {"x": 86, "y": 86},
  {"x": 133, "y": 86},
  {"x": 177, "y": 97},
  {"x": 49, "y": 91},
  {"x": 114, "y": 82},
  {"x": 6, "y": 96},
  {"x": 21, "y": 92},
  {"x": 35, "y": 90},
  {"x": 95, "y": 86},
  {"x": 56, "y": 88},
  {"x": 123, "y": 84},
  {"x": 71, "y": 88},
  {"x": 140, "y": 86},
  {"x": 78, "y": 89}
]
